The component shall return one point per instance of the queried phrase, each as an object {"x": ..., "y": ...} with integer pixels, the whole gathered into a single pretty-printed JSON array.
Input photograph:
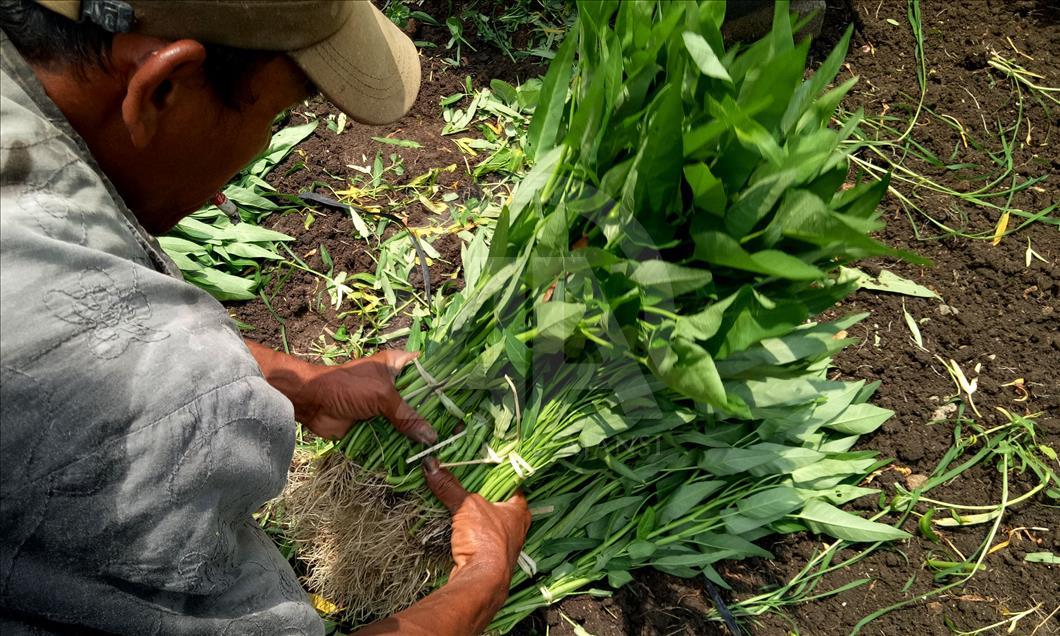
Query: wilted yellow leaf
[
  {"x": 323, "y": 605},
  {"x": 1002, "y": 225}
]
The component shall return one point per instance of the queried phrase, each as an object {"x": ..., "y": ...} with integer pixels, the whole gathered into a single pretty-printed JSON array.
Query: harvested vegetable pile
[{"x": 632, "y": 345}]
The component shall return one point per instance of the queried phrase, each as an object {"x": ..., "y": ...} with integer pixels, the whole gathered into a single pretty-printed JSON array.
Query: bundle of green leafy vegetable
[{"x": 632, "y": 347}]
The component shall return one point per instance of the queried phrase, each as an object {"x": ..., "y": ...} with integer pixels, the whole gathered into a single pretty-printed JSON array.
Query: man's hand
[
  {"x": 334, "y": 397},
  {"x": 486, "y": 542},
  {"x": 487, "y": 537},
  {"x": 328, "y": 400}
]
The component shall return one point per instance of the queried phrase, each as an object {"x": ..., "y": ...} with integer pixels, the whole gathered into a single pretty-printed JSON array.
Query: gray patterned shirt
[{"x": 137, "y": 434}]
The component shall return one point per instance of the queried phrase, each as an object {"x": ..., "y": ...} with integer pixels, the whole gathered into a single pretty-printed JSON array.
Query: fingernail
[
  {"x": 430, "y": 464},
  {"x": 426, "y": 435}
]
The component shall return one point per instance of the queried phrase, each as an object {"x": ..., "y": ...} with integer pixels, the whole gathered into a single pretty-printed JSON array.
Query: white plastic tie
[
  {"x": 435, "y": 386},
  {"x": 491, "y": 458},
  {"x": 520, "y": 465},
  {"x": 515, "y": 401},
  {"x": 442, "y": 444},
  {"x": 527, "y": 564}
]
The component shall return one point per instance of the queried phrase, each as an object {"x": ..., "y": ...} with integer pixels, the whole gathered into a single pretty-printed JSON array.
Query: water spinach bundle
[{"x": 635, "y": 346}]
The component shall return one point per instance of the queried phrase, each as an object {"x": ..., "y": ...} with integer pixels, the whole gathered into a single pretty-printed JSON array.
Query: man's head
[{"x": 183, "y": 94}]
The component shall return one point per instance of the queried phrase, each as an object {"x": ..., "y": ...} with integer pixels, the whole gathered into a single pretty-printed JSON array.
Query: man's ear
[{"x": 154, "y": 71}]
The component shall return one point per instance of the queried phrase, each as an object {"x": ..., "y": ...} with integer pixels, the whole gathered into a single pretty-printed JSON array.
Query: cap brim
[{"x": 368, "y": 68}]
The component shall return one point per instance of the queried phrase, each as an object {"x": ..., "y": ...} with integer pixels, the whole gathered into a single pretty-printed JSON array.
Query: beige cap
[{"x": 353, "y": 53}]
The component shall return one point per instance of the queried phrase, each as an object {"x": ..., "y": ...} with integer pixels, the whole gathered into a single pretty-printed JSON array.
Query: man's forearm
[
  {"x": 287, "y": 374},
  {"x": 462, "y": 607}
]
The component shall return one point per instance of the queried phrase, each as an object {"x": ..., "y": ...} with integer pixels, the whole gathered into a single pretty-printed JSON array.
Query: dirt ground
[{"x": 995, "y": 311}]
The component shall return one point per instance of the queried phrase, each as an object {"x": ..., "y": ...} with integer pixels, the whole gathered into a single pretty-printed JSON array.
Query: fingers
[
  {"x": 444, "y": 486},
  {"x": 409, "y": 423},
  {"x": 396, "y": 360},
  {"x": 518, "y": 501}
]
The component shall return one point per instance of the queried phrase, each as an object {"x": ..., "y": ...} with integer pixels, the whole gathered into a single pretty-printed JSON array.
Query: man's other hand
[
  {"x": 332, "y": 398},
  {"x": 487, "y": 537},
  {"x": 328, "y": 400}
]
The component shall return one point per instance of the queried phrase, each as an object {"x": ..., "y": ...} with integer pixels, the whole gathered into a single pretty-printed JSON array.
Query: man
[{"x": 139, "y": 431}]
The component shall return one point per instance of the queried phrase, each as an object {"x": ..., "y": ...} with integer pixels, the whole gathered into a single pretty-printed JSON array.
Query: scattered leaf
[
  {"x": 402, "y": 143},
  {"x": 1042, "y": 557},
  {"x": 913, "y": 328}
]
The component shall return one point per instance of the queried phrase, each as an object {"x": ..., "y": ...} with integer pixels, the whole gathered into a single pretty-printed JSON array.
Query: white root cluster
[{"x": 367, "y": 550}]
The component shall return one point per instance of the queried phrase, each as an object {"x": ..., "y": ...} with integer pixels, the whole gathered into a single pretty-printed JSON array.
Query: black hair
[{"x": 46, "y": 38}]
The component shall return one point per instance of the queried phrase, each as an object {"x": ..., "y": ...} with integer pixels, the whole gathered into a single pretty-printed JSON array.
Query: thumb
[
  {"x": 444, "y": 486},
  {"x": 408, "y": 422},
  {"x": 396, "y": 360},
  {"x": 518, "y": 502}
]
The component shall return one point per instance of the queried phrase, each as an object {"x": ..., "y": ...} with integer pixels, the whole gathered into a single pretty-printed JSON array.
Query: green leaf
[
  {"x": 688, "y": 369},
  {"x": 601, "y": 510},
  {"x": 924, "y": 525},
  {"x": 839, "y": 494},
  {"x": 248, "y": 198},
  {"x": 762, "y": 508},
  {"x": 705, "y": 324},
  {"x": 325, "y": 259},
  {"x": 751, "y": 134},
  {"x": 892, "y": 283},
  {"x": 555, "y": 322},
  {"x": 754, "y": 319},
  {"x": 757, "y": 201},
  {"x": 402, "y": 143},
  {"x": 184, "y": 263},
  {"x": 827, "y": 473},
  {"x": 810, "y": 89},
  {"x": 803, "y": 216},
  {"x": 825, "y": 518},
  {"x": 690, "y": 559},
  {"x": 600, "y": 425},
  {"x": 545, "y": 123},
  {"x": 774, "y": 83},
  {"x": 708, "y": 192},
  {"x": 360, "y": 225},
  {"x": 759, "y": 459},
  {"x": 656, "y": 173},
  {"x": 198, "y": 230},
  {"x": 668, "y": 278},
  {"x": 250, "y": 250},
  {"x": 640, "y": 550},
  {"x": 859, "y": 419},
  {"x": 618, "y": 578},
  {"x": 250, "y": 233},
  {"x": 686, "y": 497},
  {"x": 222, "y": 286},
  {"x": 646, "y": 523},
  {"x": 770, "y": 504},
  {"x": 728, "y": 546},
  {"x": 175, "y": 245},
  {"x": 808, "y": 342},
  {"x": 721, "y": 249},
  {"x": 704, "y": 56},
  {"x": 1042, "y": 557},
  {"x": 281, "y": 143},
  {"x": 505, "y": 91},
  {"x": 518, "y": 353}
]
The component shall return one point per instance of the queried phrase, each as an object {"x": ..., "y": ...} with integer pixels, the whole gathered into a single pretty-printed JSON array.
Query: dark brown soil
[{"x": 996, "y": 311}]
